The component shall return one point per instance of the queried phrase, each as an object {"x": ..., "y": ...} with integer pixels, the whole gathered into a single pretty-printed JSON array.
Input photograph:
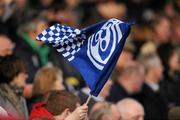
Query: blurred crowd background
[{"x": 144, "y": 84}]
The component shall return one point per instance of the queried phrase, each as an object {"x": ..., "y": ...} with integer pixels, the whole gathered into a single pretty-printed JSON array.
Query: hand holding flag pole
[{"x": 93, "y": 51}]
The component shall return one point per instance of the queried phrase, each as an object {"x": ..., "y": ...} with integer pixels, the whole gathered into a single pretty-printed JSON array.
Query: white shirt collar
[{"x": 153, "y": 86}]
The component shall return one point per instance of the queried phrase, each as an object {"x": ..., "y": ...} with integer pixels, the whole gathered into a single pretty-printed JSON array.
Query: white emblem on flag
[{"x": 102, "y": 44}]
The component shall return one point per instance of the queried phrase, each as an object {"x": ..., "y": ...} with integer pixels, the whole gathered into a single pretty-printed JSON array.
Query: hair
[
  {"x": 44, "y": 79},
  {"x": 31, "y": 26},
  {"x": 58, "y": 101},
  {"x": 129, "y": 69},
  {"x": 57, "y": 5},
  {"x": 10, "y": 67},
  {"x": 125, "y": 103},
  {"x": 149, "y": 60},
  {"x": 158, "y": 19},
  {"x": 100, "y": 109}
]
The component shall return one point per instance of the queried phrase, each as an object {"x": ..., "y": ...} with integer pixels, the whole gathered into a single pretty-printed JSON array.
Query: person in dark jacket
[
  {"x": 12, "y": 81},
  {"x": 151, "y": 97},
  {"x": 36, "y": 54},
  {"x": 169, "y": 86},
  {"x": 129, "y": 82}
]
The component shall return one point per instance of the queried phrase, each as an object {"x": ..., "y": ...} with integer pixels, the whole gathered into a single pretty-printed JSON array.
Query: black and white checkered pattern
[{"x": 65, "y": 39}]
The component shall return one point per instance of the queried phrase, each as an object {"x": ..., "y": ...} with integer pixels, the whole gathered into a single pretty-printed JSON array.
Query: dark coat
[
  {"x": 117, "y": 93},
  {"x": 153, "y": 103},
  {"x": 170, "y": 90}
]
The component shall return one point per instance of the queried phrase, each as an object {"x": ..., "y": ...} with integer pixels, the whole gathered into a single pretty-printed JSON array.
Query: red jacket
[{"x": 39, "y": 111}]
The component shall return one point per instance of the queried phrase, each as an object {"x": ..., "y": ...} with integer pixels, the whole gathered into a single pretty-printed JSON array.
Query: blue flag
[{"x": 93, "y": 51}]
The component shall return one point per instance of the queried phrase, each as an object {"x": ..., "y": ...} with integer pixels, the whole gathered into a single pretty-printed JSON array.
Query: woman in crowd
[
  {"x": 46, "y": 80},
  {"x": 12, "y": 81}
]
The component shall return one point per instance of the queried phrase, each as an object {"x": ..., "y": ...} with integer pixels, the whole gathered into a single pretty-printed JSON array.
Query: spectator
[
  {"x": 12, "y": 81},
  {"x": 162, "y": 29},
  {"x": 36, "y": 54},
  {"x": 61, "y": 110},
  {"x": 104, "y": 9},
  {"x": 175, "y": 36},
  {"x": 128, "y": 82},
  {"x": 7, "y": 26},
  {"x": 46, "y": 80},
  {"x": 6, "y": 46},
  {"x": 130, "y": 109},
  {"x": 150, "y": 90},
  {"x": 61, "y": 12},
  {"x": 169, "y": 86},
  {"x": 104, "y": 111},
  {"x": 125, "y": 58}
]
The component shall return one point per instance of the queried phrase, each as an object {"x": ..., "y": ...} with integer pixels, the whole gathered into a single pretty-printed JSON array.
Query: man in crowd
[
  {"x": 151, "y": 97},
  {"x": 128, "y": 82},
  {"x": 130, "y": 109},
  {"x": 104, "y": 111},
  {"x": 6, "y": 46}
]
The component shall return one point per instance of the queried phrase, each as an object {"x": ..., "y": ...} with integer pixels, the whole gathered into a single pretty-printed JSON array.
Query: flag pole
[{"x": 88, "y": 100}]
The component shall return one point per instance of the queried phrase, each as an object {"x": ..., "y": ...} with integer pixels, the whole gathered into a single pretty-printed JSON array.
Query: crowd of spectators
[{"x": 37, "y": 83}]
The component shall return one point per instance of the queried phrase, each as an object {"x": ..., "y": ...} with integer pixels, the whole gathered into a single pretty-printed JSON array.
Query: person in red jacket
[{"x": 60, "y": 105}]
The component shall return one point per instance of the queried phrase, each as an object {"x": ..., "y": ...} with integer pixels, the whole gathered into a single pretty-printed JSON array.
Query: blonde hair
[{"x": 45, "y": 79}]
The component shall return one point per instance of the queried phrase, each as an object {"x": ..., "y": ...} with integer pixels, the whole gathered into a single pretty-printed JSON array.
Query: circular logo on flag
[{"x": 102, "y": 44}]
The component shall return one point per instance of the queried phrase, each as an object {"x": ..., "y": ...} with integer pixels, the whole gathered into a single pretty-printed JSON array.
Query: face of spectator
[
  {"x": 135, "y": 82},
  {"x": 157, "y": 70},
  {"x": 130, "y": 110},
  {"x": 46, "y": 3},
  {"x": 112, "y": 10},
  {"x": 125, "y": 58},
  {"x": 2, "y": 7},
  {"x": 6, "y": 46},
  {"x": 134, "y": 114},
  {"x": 106, "y": 89},
  {"x": 21, "y": 3},
  {"x": 174, "y": 62},
  {"x": 19, "y": 80},
  {"x": 58, "y": 84},
  {"x": 176, "y": 33},
  {"x": 163, "y": 31},
  {"x": 72, "y": 3},
  {"x": 41, "y": 25}
]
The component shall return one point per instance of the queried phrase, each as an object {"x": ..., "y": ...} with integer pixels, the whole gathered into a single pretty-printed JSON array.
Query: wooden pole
[{"x": 88, "y": 100}]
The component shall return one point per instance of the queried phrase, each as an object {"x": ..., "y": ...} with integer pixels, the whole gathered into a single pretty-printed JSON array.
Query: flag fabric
[{"x": 93, "y": 51}]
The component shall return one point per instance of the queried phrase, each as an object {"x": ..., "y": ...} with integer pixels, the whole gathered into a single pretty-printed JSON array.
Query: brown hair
[
  {"x": 58, "y": 101},
  {"x": 44, "y": 80},
  {"x": 10, "y": 67}
]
